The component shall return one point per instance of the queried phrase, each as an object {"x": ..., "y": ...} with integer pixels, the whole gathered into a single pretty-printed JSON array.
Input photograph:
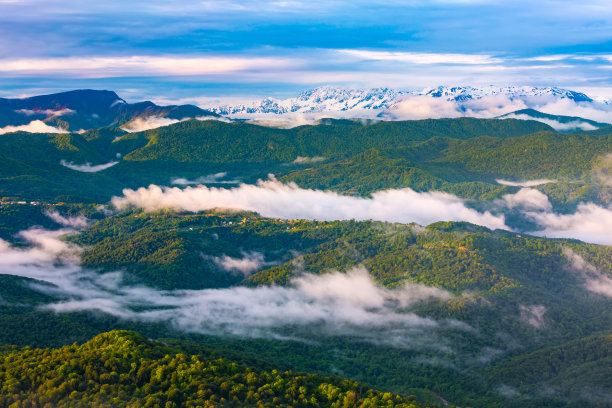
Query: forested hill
[
  {"x": 234, "y": 142},
  {"x": 124, "y": 369},
  {"x": 463, "y": 156},
  {"x": 85, "y": 109}
]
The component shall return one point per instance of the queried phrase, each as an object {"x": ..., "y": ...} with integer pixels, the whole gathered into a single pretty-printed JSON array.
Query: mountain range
[
  {"x": 114, "y": 230},
  {"x": 87, "y": 109},
  {"x": 81, "y": 110},
  {"x": 376, "y": 101}
]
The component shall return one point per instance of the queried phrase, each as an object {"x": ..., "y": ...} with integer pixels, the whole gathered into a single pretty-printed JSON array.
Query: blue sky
[{"x": 199, "y": 51}]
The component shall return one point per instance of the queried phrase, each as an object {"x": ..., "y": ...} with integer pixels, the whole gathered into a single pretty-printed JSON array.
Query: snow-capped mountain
[
  {"x": 322, "y": 99},
  {"x": 464, "y": 93},
  {"x": 344, "y": 102}
]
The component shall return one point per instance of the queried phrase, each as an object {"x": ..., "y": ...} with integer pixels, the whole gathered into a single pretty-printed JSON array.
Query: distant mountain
[
  {"x": 322, "y": 99},
  {"x": 343, "y": 102},
  {"x": 464, "y": 93},
  {"x": 558, "y": 122},
  {"x": 88, "y": 109}
]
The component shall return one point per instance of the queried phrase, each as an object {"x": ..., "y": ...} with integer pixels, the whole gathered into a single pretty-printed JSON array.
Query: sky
[{"x": 187, "y": 51}]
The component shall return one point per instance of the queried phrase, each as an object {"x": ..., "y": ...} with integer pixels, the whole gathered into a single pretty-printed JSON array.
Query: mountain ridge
[
  {"x": 84, "y": 109},
  {"x": 378, "y": 100}
]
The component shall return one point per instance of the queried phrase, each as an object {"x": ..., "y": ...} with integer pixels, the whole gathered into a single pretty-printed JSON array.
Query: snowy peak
[
  {"x": 463, "y": 93},
  {"x": 322, "y": 99},
  {"x": 346, "y": 102}
]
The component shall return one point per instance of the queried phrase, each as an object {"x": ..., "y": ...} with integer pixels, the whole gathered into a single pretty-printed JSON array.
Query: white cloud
[
  {"x": 492, "y": 106},
  {"x": 590, "y": 223},
  {"x": 139, "y": 65},
  {"x": 596, "y": 111},
  {"x": 71, "y": 222},
  {"x": 330, "y": 304},
  {"x": 533, "y": 315},
  {"x": 149, "y": 122},
  {"x": 526, "y": 198},
  {"x": 88, "y": 167},
  {"x": 286, "y": 121},
  {"x": 47, "y": 112},
  {"x": 602, "y": 170},
  {"x": 249, "y": 263},
  {"x": 594, "y": 280},
  {"x": 211, "y": 178},
  {"x": 555, "y": 124},
  {"x": 46, "y": 249},
  {"x": 288, "y": 201},
  {"x": 308, "y": 160},
  {"x": 525, "y": 183},
  {"x": 422, "y": 57},
  {"x": 35, "y": 126},
  {"x": 141, "y": 124}
]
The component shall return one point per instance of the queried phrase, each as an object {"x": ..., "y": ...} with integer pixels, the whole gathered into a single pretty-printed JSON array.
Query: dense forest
[
  {"x": 476, "y": 317},
  {"x": 461, "y": 156},
  {"x": 125, "y": 369}
]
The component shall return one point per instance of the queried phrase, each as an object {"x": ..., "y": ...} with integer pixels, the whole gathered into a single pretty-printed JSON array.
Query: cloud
[
  {"x": 47, "y": 112},
  {"x": 526, "y": 198},
  {"x": 590, "y": 223},
  {"x": 212, "y": 178},
  {"x": 141, "y": 124},
  {"x": 332, "y": 304},
  {"x": 501, "y": 103},
  {"x": 149, "y": 122},
  {"x": 602, "y": 170},
  {"x": 422, "y": 58},
  {"x": 596, "y": 111},
  {"x": 526, "y": 183},
  {"x": 555, "y": 124},
  {"x": 249, "y": 263},
  {"x": 35, "y": 126},
  {"x": 308, "y": 160},
  {"x": 533, "y": 315},
  {"x": 288, "y": 201},
  {"x": 71, "y": 222},
  {"x": 139, "y": 65},
  {"x": 88, "y": 167},
  {"x": 594, "y": 280},
  {"x": 46, "y": 248},
  {"x": 288, "y": 120}
]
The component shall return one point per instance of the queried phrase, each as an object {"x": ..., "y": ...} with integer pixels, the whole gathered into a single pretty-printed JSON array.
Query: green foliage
[
  {"x": 215, "y": 141},
  {"x": 125, "y": 369},
  {"x": 564, "y": 371}
]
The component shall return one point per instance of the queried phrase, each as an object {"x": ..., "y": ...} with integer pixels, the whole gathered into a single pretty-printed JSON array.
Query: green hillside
[{"x": 125, "y": 369}]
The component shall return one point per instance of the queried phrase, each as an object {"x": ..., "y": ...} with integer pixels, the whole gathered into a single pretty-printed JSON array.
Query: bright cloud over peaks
[
  {"x": 36, "y": 126},
  {"x": 422, "y": 57},
  {"x": 141, "y": 65},
  {"x": 288, "y": 201}
]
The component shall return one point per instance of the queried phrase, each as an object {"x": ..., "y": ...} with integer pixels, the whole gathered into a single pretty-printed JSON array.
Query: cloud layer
[
  {"x": 590, "y": 222},
  {"x": 35, "y": 126},
  {"x": 249, "y": 263},
  {"x": 492, "y": 106},
  {"x": 210, "y": 179},
  {"x": 594, "y": 280},
  {"x": 346, "y": 304},
  {"x": 555, "y": 124},
  {"x": 274, "y": 199},
  {"x": 526, "y": 183},
  {"x": 88, "y": 167}
]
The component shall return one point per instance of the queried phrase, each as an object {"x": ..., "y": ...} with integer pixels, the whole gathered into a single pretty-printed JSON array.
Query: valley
[{"x": 416, "y": 258}]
